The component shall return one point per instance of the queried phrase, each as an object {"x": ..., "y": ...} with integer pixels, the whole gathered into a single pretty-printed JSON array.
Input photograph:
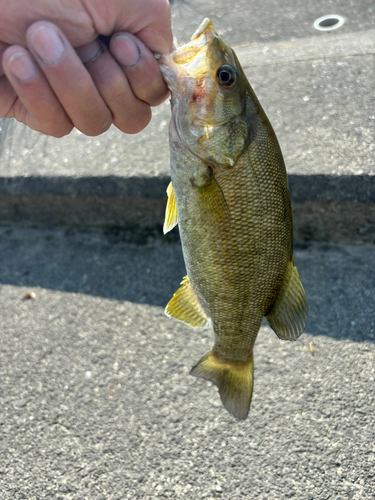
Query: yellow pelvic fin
[
  {"x": 170, "y": 211},
  {"x": 185, "y": 306},
  {"x": 235, "y": 382},
  {"x": 288, "y": 315}
]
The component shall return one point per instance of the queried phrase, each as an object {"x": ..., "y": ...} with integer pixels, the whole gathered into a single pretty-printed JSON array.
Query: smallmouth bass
[{"x": 229, "y": 195}]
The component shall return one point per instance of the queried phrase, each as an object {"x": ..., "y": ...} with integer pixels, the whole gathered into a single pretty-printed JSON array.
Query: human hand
[{"x": 51, "y": 87}]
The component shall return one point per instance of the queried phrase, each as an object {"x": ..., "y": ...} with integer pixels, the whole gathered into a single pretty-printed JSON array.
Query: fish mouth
[{"x": 189, "y": 59}]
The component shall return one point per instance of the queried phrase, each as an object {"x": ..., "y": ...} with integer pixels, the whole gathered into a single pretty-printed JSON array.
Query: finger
[
  {"x": 152, "y": 24},
  {"x": 68, "y": 78},
  {"x": 7, "y": 93},
  {"x": 3, "y": 47},
  {"x": 37, "y": 105},
  {"x": 130, "y": 114},
  {"x": 7, "y": 98},
  {"x": 140, "y": 67}
]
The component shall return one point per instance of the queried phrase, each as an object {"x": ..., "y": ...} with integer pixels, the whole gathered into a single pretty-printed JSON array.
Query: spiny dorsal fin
[
  {"x": 170, "y": 211},
  {"x": 184, "y": 306},
  {"x": 288, "y": 315},
  {"x": 235, "y": 382}
]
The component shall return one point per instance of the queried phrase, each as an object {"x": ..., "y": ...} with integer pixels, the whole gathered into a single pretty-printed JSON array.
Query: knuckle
[
  {"x": 58, "y": 131},
  {"x": 135, "y": 123},
  {"x": 155, "y": 97},
  {"x": 95, "y": 129},
  {"x": 164, "y": 7},
  {"x": 63, "y": 132}
]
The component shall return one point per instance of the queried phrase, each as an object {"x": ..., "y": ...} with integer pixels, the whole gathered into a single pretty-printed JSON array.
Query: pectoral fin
[
  {"x": 171, "y": 210},
  {"x": 288, "y": 316},
  {"x": 235, "y": 382},
  {"x": 185, "y": 306}
]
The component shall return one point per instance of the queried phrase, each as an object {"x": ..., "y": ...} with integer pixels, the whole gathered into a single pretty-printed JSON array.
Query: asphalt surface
[{"x": 96, "y": 401}]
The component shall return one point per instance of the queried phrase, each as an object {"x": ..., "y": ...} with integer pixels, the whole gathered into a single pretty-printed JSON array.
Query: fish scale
[{"x": 229, "y": 195}]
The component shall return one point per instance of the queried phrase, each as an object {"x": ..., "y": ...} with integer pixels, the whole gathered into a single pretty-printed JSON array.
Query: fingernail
[
  {"x": 127, "y": 51},
  {"x": 48, "y": 45},
  {"x": 22, "y": 67},
  {"x": 88, "y": 53}
]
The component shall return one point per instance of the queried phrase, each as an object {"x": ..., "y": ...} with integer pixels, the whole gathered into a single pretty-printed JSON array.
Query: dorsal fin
[
  {"x": 170, "y": 211},
  {"x": 288, "y": 315},
  {"x": 185, "y": 306}
]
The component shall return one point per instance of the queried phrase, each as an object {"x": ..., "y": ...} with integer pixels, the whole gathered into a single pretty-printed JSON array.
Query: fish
[{"x": 229, "y": 197}]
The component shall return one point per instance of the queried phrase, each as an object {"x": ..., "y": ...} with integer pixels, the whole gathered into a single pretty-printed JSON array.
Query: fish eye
[{"x": 226, "y": 76}]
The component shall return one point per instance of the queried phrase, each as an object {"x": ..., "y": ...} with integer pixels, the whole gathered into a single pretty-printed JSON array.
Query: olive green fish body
[{"x": 231, "y": 200}]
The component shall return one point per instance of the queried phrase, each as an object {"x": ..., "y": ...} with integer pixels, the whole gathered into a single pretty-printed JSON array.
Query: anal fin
[
  {"x": 235, "y": 382},
  {"x": 288, "y": 315},
  {"x": 185, "y": 306},
  {"x": 170, "y": 220}
]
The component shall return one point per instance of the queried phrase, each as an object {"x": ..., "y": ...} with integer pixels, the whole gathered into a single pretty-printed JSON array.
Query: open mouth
[{"x": 191, "y": 56}]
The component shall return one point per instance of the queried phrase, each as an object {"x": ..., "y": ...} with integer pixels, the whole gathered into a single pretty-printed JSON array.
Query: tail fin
[{"x": 235, "y": 382}]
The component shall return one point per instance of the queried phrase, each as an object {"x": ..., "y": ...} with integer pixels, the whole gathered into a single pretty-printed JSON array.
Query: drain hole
[
  {"x": 331, "y": 21},
  {"x": 326, "y": 23}
]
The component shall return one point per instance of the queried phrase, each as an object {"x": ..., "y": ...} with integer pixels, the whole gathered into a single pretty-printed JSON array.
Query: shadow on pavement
[{"x": 339, "y": 280}]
